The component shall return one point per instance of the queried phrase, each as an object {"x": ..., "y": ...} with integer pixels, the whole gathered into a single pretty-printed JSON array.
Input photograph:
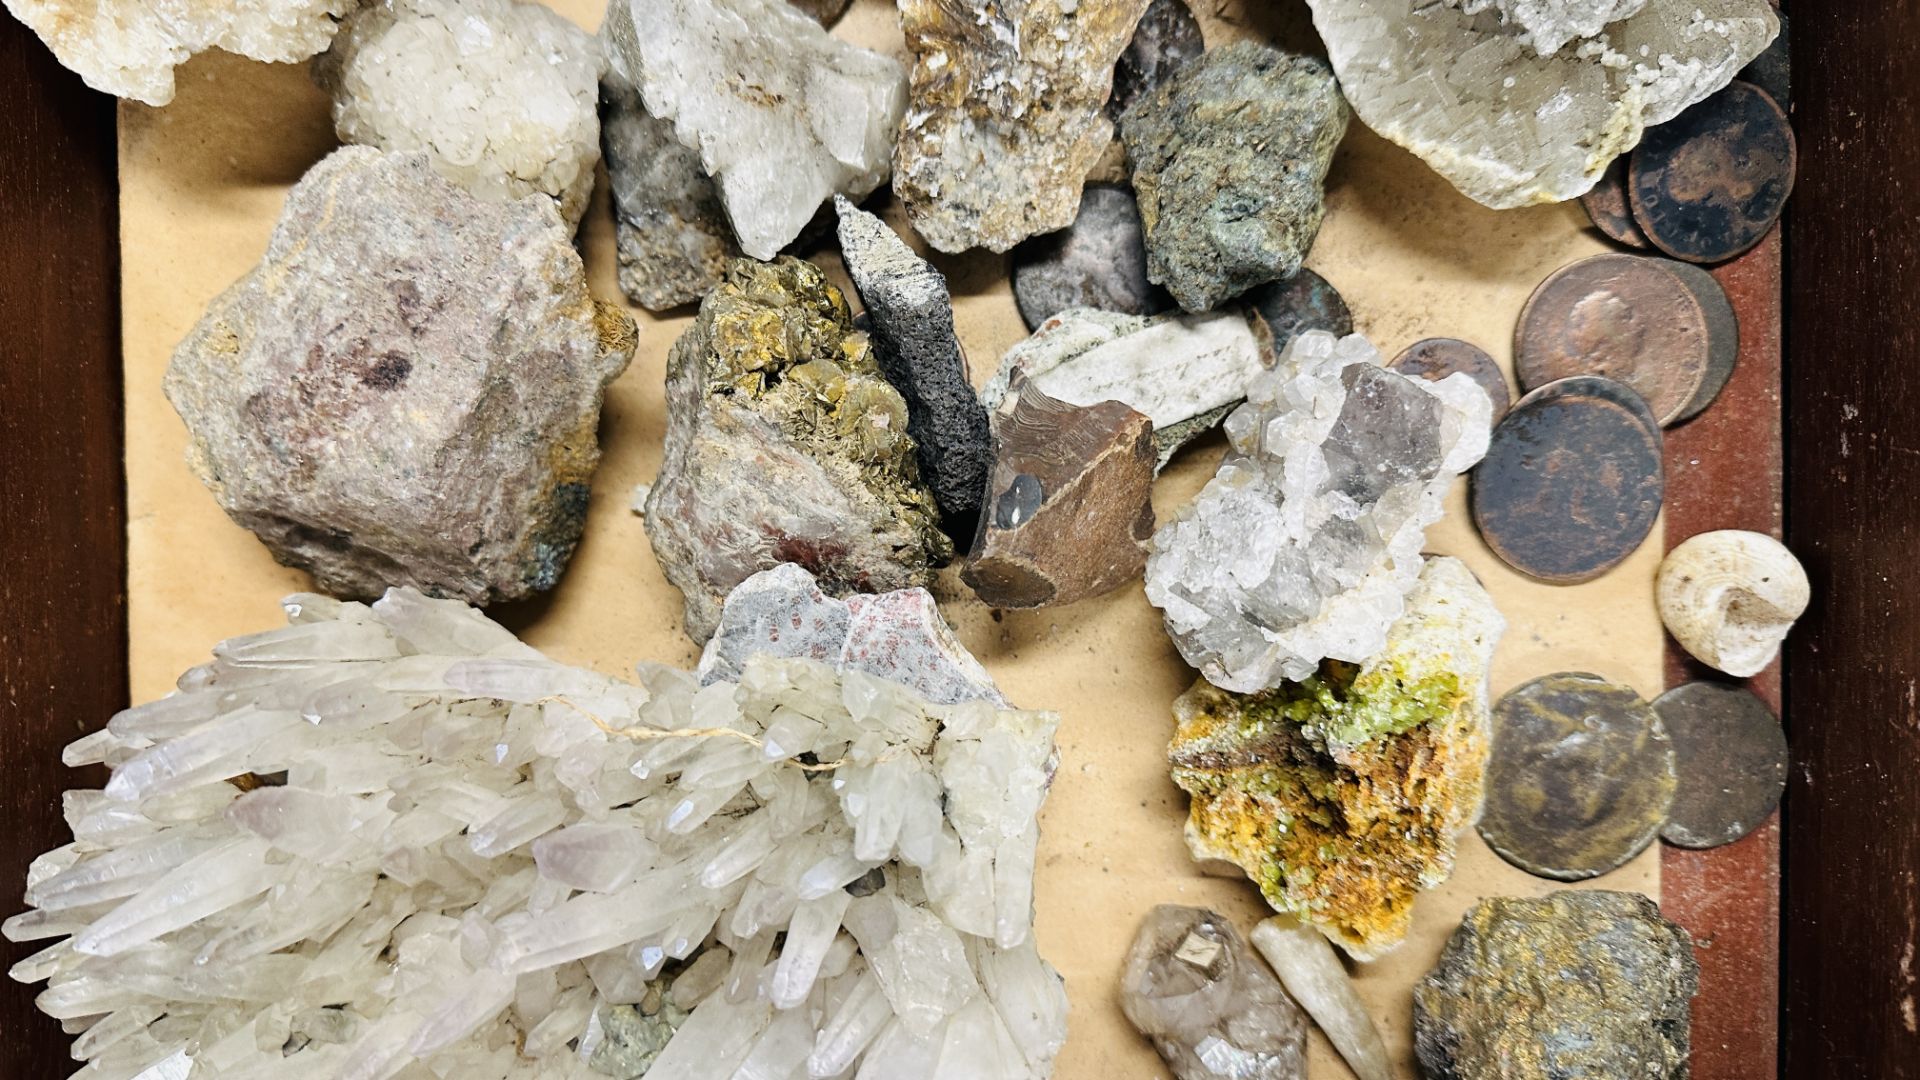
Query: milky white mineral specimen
[
  {"x": 470, "y": 861},
  {"x": 783, "y": 114},
  {"x": 503, "y": 95},
  {"x": 1509, "y": 120},
  {"x": 1305, "y": 543},
  {"x": 129, "y": 48}
]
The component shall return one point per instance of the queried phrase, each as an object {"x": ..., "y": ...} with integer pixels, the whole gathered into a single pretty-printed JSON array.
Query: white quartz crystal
[
  {"x": 453, "y": 857},
  {"x": 1518, "y": 101},
  {"x": 1317, "y": 980},
  {"x": 129, "y": 48},
  {"x": 1307, "y": 540},
  {"x": 502, "y": 95},
  {"x": 784, "y": 115}
]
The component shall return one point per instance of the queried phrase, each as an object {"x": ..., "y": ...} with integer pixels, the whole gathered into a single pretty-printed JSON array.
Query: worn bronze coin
[
  {"x": 1708, "y": 184},
  {"x": 1625, "y": 317},
  {"x": 1731, "y": 759},
  {"x": 1572, "y": 480},
  {"x": 1723, "y": 334},
  {"x": 1292, "y": 306},
  {"x": 1438, "y": 357},
  {"x": 1607, "y": 207},
  {"x": 1580, "y": 776}
]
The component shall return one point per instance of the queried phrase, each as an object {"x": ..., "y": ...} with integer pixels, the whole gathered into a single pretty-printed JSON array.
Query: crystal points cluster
[{"x": 394, "y": 841}]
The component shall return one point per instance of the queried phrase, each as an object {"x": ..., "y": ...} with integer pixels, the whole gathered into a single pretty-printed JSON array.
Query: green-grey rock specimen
[
  {"x": 671, "y": 230},
  {"x": 1212, "y": 1009},
  {"x": 1587, "y": 984},
  {"x": 785, "y": 444},
  {"x": 1229, "y": 160},
  {"x": 407, "y": 389}
]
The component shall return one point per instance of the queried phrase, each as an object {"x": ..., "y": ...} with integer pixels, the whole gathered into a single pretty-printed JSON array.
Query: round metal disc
[
  {"x": 1607, "y": 207},
  {"x": 1580, "y": 777},
  {"x": 1436, "y": 358},
  {"x": 1708, "y": 184},
  {"x": 1731, "y": 757},
  {"x": 1303, "y": 302},
  {"x": 1572, "y": 480},
  {"x": 1723, "y": 334}
]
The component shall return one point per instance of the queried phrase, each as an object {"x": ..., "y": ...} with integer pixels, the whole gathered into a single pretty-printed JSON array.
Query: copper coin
[
  {"x": 1572, "y": 480},
  {"x": 1580, "y": 777},
  {"x": 1731, "y": 758},
  {"x": 1438, "y": 357},
  {"x": 1292, "y": 306},
  {"x": 1607, "y": 207},
  {"x": 1723, "y": 334},
  {"x": 1708, "y": 184},
  {"x": 1629, "y": 318}
]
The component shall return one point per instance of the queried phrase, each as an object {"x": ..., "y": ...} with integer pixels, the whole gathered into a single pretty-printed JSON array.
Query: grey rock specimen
[
  {"x": 1306, "y": 542},
  {"x": 1229, "y": 160},
  {"x": 899, "y": 636},
  {"x": 824, "y": 12},
  {"x": 1167, "y": 39},
  {"x": 785, "y": 444},
  {"x": 1212, "y": 1009},
  {"x": 1006, "y": 114},
  {"x": 784, "y": 115},
  {"x": 1184, "y": 372},
  {"x": 1100, "y": 261},
  {"x": 1314, "y": 977},
  {"x": 673, "y": 237},
  {"x": 910, "y": 313},
  {"x": 407, "y": 389},
  {"x": 1622, "y": 979}
]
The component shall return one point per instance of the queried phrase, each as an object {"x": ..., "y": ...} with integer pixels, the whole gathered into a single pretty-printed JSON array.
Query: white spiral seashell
[{"x": 1729, "y": 598}]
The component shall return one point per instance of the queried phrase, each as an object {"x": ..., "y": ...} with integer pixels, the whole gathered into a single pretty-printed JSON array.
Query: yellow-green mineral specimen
[{"x": 1342, "y": 795}]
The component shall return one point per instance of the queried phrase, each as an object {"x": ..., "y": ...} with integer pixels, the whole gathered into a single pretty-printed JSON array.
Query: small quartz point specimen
[
  {"x": 784, "y": 115},
  {"x": 1622, "y": 980},
  {"x": 1070, "y": 503},
  {"x": 910, "y": 313},
  {"x": 1305, "y": 543},
  {"x": 1184, "y": 372},
  {"x": 1006, "y": 114},
  {"x": 500, "y": 94},
  {"x": 672, "y": 233},
  {"x": 785, "y": 444},
  {"x": 479, "y": 862},
  {"x": 898, "y": 636},
  {"x": 129, "y": 48},
  {"x": 1229, "y": 160},
  {"x": 1511, "y": 121},
  {"x": 407, "y": 389},
  {"x": 1342, "y": 795},
  {"x": 1211, "y": 1008},
  {"x": 1315, "y": 978}
]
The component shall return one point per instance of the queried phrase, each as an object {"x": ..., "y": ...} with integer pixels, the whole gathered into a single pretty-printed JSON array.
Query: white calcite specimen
[
  {"x": 1305, "y": 544},
  {"x": 474, "y": 862},
  {"x": 1510, "y": 121},
  {"x": 129, "y": 48},
  {"x": 503, "y": 96},
  {"x": 784, "y": 115}
]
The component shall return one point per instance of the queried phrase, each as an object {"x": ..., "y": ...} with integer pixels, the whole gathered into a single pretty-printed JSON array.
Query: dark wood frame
[{"x": 1851, "y": 890}]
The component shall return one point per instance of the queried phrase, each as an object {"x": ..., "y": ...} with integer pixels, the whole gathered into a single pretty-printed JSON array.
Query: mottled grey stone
[
  {"x": 407, "y": 389},
  {"x": 1167, "y": 39},
  {"x": 1229, "y": 160},
  {"x": 824, "y": 12},
  {"x": 1100, "y": 261},
  {"x": 673, "y": 236},
  {"x": 1211, "y": 1007}
]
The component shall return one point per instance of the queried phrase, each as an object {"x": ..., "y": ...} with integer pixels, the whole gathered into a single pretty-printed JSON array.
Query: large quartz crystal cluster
[
  {"x": 1527, "y": 101},
  {"x": 1305, "y": 543},
  {"x": 503, "y": 95},
  {"x": 393, "y": 841}
]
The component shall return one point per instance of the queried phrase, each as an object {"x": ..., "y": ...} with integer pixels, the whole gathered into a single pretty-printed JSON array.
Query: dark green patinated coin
[
  {"x": 1292, "y": 306},
  {"x": 1436, "y": 358},
  {"x": 1708, "y": 184},
  {"x": 1731, "y": 758},
  {"x": 1723, "y": 334},
  {"x": 1770, "y": 71},
  {"x": 1607, "y": 207},
  {"x": 1580, "y": 776},
  {"x": 1572, "y": 480}
]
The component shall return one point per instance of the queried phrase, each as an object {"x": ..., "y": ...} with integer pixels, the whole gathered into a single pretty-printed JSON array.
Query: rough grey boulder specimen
[
  {"x": 1588, "y": 984},
  {"x": 783, "y": 114},
  {"x": 1511, "y": 122},
  {"x": 910, "y": 312},
  {"x": 1100, "y": 261},
  {"x": 1305, "y": 544},
  {"x": 899, "y": 636},
  {"x": 406, "y": 390},
  {"x": 500, "y": 93},
  {"x": 1229, "y": 160},
  {"x": 672, "y": 233},
  {"x": 1212, "y": 1009}
]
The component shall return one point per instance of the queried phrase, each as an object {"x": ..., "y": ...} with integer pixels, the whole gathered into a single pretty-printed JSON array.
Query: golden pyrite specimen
[{"x": 1341, "y": 796}]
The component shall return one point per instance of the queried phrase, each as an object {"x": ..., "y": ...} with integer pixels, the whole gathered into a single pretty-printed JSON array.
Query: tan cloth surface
[{"x": 202, "y": 183}]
